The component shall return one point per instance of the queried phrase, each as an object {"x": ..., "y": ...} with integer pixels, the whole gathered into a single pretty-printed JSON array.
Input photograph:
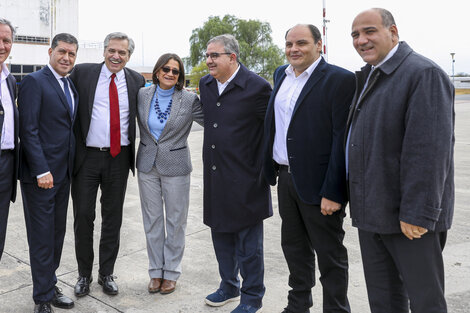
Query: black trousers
[
  {"x": 7, "y": 161},
  {"x": 45, "y": 213},
  {"x": 304, "y": 233},
  {"x": 402, "y": 273},
  {"x": 110, "y": 174}
]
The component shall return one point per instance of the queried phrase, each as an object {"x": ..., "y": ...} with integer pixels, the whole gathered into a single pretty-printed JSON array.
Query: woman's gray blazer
[{"x": 170, "y": 153}]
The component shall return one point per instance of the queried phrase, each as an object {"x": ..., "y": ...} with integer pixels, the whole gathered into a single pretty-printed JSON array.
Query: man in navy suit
[
  {"x": 236, "y": 197},
  {"x": 46, "y": 103},
  {"x": 304, "y": 131},
  {"x": 8, "y": 130}
]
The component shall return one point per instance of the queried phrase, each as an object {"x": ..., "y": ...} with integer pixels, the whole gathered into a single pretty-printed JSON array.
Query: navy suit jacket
[
  {"x": 46, "y": 127},
  {"x": 315, "y": 134},
  {"x": 11, "y": 83}
]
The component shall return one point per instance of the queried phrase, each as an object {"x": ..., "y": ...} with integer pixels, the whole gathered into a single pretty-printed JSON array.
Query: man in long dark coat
[{"x": 236, "y": 197}]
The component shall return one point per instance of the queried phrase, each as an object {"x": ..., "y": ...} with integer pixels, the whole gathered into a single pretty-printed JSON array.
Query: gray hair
[
  {"x": 64, "y": 37},
  {"x": 229, "y": 42},
  {"x": 387, "y": 17},
  {"x": 4, "y": 21},
  {"x": 120, "y": 36}
]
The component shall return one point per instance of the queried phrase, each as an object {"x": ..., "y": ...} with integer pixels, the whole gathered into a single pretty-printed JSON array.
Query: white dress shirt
[
  {"x": 284, "y": 104},
  {"x": 8, "y": 127},
  {"x": 98, "y": 134},
  {"x": 222, "y": 86}
]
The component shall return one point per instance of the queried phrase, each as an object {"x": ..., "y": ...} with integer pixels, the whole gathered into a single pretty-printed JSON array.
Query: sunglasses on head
[{"x": 173, "y": 70}]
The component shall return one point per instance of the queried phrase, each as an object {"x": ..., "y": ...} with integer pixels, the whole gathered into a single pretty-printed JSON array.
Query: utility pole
[
  {"x": 453, "y": 61},
  {"x": 325, "y": 37}
]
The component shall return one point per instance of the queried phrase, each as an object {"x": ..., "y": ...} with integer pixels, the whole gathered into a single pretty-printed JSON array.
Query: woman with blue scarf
[{"x": 165, "y": 114}]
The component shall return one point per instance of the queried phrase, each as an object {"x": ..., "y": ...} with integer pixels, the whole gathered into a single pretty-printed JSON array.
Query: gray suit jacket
[
  {"x": 170, "y": 153},
  {"x": 401, "y": 165}
]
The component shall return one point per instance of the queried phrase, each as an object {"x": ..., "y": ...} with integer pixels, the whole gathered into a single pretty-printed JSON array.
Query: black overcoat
[{"x": 236, "y": 195}]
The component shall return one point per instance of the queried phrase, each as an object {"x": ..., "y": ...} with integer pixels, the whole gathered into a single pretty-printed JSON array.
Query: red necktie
[{"x": 114, "y": 119}]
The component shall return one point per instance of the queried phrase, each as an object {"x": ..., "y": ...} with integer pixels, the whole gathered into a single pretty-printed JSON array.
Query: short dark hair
[
  {"x": 313, "y": 30},
  {"x": 387, "y": 17},
  {"x": 164, "y": 60},
  {"x": 4, "y": 21},
  {"x": 64, "y": 37}
]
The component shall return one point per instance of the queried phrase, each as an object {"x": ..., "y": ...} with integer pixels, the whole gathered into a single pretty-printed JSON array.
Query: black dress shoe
[
  {"x": 61, "y": 301},
  {"x": 109, "y": 286},
  {"x": 82, "y": 287},
  {"x": 43, "y": 308}
]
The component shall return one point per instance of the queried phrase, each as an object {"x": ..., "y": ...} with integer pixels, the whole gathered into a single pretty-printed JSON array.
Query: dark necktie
[
  {"x": 67, "y": 93},
  {"x": 114, "y": 119}
]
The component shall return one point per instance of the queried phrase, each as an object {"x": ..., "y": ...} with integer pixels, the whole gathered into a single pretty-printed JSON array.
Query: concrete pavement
[{"x": 200, "y": 275}]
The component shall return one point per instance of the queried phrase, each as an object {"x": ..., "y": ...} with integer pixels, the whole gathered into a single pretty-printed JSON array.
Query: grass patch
[{"x": 462, "y": 91}]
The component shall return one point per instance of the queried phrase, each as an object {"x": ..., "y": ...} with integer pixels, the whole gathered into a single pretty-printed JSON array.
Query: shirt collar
[
  {"x": 290, "y": 70},
  {"x": 389, "y": 55},
  {"x": 5, "y": 71},
  {"x": 56, "y": 75},
  {"x": 107, "y": 72},
  {"x": 231, "y": 77}
]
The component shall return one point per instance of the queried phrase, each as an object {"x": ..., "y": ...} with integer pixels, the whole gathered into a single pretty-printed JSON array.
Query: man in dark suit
[
  {"x": 401, "y": 170},
  {"x": 236, "y": 197},
  {"x": 105, "y": 134},
  {"x": 304, "y": 131},
  {"x": 46, "y": 103},
  {"x": 8, "y": 130}
]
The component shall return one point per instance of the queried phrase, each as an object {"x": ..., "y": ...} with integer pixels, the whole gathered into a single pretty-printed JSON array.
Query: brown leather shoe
[
  {"x": 168, "y": 286},
  {"x": 155, "y": 284}
]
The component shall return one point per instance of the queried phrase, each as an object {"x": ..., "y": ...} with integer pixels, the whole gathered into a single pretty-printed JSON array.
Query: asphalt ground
[{"x": 200, "y": 274}]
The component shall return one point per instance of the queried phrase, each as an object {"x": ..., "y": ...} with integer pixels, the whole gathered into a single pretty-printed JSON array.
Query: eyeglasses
[
  {"x": 173, "y": 70},
  {"x": 215, "y": 55}
]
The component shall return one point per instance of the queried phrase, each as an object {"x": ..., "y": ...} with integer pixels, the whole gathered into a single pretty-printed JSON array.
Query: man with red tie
[{"x": 105, "y": 134}]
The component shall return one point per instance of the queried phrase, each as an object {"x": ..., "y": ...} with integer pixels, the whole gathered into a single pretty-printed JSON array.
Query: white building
[{"x": 37, "y": 22}]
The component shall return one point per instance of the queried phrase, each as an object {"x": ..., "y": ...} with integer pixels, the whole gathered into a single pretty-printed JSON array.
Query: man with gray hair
[
  {"x": 236, "y": 197},
  {"x": 8, "y": 130},
  {"x": 105, "y": 133},
  {"x": 400, "y": 163}
]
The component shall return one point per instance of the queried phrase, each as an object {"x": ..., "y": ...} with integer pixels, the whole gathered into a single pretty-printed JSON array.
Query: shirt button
[
  {"x": 218, "y": 104},
  {"x": 213, "y": 146},
  {"x": 215, "y": 125},
  {"x": 214, "y": 167}
]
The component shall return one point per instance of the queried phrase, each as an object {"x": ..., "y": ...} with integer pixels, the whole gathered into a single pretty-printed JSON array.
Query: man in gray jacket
[{"x": 399, "y": 154}]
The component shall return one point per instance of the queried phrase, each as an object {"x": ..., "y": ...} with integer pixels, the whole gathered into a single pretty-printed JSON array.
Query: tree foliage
[{"x": 257, "y": 50}]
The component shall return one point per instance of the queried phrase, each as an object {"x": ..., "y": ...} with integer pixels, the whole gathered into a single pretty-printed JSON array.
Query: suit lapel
[
  {"x": 317, "y": 74},
  {"x": 93, "y": 82},
  {"x": 144, "y": 111},
  {"x": 55, "y": 85}
]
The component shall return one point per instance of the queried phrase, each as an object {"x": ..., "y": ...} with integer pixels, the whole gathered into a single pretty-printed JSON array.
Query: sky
[{"x": 432, "y": 28}]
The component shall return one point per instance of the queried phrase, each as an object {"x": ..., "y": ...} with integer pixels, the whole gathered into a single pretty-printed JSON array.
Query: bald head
[{"x": 374, "y": 34}]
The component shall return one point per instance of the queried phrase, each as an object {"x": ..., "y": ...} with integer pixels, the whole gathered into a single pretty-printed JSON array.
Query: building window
[
  {"x": 32, "y": 39},
  {"x": 19, "y": 71}
]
